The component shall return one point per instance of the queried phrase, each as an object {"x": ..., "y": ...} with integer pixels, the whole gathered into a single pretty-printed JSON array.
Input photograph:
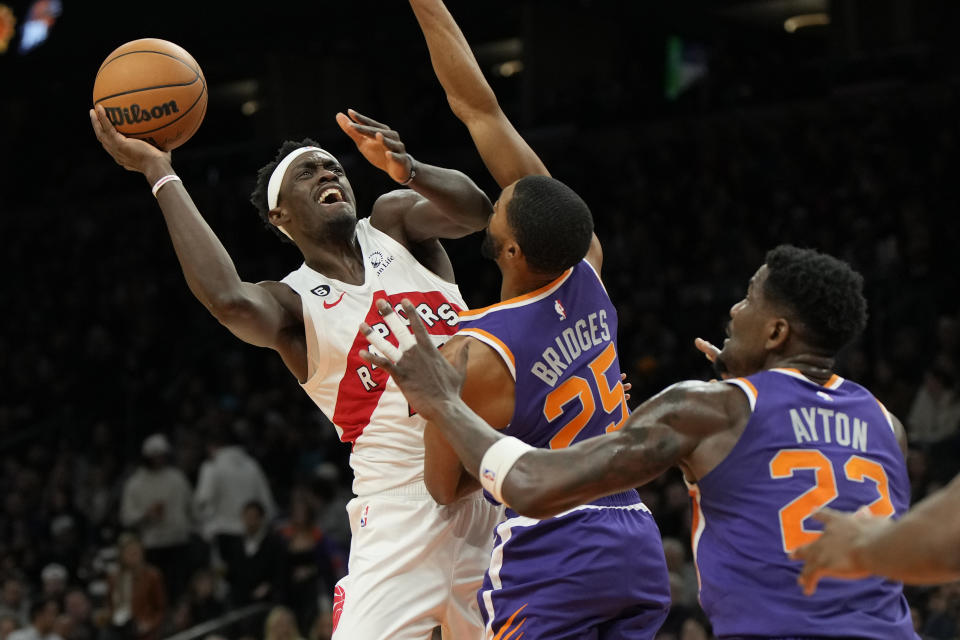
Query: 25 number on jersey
[{"x": 579, "y": 388}]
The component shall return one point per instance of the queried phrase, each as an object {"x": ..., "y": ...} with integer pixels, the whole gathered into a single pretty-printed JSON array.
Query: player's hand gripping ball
[{"x": 153, "y": 90}]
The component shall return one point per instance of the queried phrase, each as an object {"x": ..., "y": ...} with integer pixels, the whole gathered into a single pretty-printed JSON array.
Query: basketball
[{"x": 153, "y": 90}]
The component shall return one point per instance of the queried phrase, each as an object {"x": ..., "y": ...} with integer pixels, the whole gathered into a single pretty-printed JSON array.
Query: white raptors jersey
[{"x": 362, "y": 401}]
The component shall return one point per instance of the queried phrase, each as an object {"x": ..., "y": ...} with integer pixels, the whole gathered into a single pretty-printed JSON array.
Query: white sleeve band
[{"x": 497, "y": 462}]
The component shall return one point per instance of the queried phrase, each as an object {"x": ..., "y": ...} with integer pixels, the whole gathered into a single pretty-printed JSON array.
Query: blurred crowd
[{"x": 157, "y": 473}]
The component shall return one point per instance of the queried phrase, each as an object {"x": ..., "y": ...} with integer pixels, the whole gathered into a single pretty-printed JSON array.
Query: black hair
[
  {"x": 825, "y": 295},
  {"x": 552, "y": 224},
  {"x": 259, "y": 196}
]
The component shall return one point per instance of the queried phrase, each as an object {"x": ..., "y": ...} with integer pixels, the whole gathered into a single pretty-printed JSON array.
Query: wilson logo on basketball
[{"x": 135, "y": 113}]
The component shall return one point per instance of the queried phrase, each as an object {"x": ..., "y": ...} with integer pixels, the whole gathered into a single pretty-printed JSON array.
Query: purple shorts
[{"x": 595, "y": 572}]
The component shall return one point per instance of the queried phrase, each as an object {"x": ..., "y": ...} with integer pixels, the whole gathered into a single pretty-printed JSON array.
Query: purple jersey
[
  {"x": 606, "y": 577},
  {"x": 804, "y": 447},
  {"x": 559, "y": 343}
]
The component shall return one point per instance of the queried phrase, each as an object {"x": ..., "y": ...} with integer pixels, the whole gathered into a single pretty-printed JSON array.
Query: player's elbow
[
  {"x": 442, "y": 490},
  {"x": 229, "y": 309},
  {"x": 478, "y": 106},
  {"x": 442, "y": 494}
]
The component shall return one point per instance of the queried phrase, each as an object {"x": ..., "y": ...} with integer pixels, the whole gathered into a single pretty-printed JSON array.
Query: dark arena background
[{"x": 701, "y": 134}]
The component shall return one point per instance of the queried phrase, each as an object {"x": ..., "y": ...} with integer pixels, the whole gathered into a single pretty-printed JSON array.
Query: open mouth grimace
[{"x": 331, "y": 195}]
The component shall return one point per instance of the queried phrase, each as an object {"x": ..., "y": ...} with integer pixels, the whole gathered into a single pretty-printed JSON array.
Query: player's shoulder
[
  {"x": 280, "y": 290},
  {"x": 695, "y": 389},
  {"x": 479, "y": 354}
]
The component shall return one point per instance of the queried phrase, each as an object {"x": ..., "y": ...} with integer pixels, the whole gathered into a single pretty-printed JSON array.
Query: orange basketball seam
[
  {"x": 159, "y": 86},
  {"x": 159, "y": 53}
]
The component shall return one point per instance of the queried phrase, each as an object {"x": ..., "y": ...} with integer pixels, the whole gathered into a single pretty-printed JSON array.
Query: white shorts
[{"x": 414, "y": 565}]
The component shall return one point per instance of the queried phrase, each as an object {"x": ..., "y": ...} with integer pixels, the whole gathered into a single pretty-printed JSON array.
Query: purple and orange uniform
[
  {"x": 805, "y": 446},
  {"x": 598, "y": 570}
]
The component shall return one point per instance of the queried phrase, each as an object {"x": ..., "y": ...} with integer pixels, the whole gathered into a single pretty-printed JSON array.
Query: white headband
[{"x": 273, "y": 187}]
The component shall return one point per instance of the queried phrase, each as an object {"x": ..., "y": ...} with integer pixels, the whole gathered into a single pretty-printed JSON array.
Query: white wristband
[
  {"x": 497, "y": 462},
  {"x": 164, "y": 180}
]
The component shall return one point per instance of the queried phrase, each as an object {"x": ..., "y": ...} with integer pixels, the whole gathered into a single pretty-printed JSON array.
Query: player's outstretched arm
[
  {"x": 921, "y": 548},
  {"x": 252, "y": 312},
  {"x": 506, "y": 154},
  {"x": 661, "y": 433},
  {"x": 442, "y": 203}
]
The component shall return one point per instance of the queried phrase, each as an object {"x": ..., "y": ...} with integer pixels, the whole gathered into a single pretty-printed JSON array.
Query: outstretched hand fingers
[
  {"x": 626, "y": 385},
  {"x": 826, "y": 515},
  {"x": 812, "y": 570},
  {"x": 809, "y": 578},
  {"x": 378, "y": 341},
  {"x": 390, "y": 140},
  {"x": 404, "y": 338},
  {"x": 378, "y": 361},
  {"x": 102, "y": 126},
  {"x": 362, "y": 119},
  {"x": 416, "y": 324},
  {"x": 350, "y": 128},
  {"x": 709, "y": 350}
]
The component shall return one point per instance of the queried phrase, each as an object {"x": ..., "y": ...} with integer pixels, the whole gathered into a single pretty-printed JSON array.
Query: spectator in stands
[
  {"x": 675, "y": 553},
  {"x": 255, "y": 561},
  {"x": 43, "y": 617},
  {"x": 13, "y": 600},
  {"x": 158, "y": 504},
  {"x": 313, "y": 562},
  {"x": 8, "y": 624},
  {"x": 67, "y": 526},
  {"x": 935, "y": 413},
  {"x": 78, "y": 610},
  {"x": 53, "y": 582},
  {"x": 136, "y": 594},
  {"x": 202, "y": 597},
  {"x": 281, "y": 625},
  {"x": 228, "y": 480}
]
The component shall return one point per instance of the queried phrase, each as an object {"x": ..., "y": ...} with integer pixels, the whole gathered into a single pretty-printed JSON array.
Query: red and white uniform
[{"x": 413, "y": 564}]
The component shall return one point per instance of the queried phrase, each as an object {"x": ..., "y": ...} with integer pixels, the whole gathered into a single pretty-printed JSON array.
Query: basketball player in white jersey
[{"x": 414, "y": 565}]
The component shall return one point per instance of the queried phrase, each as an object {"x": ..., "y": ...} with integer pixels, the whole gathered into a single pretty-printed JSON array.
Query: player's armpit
[
  {"x": 267, "y": 314},
  {"x": 488, "y": 387}
]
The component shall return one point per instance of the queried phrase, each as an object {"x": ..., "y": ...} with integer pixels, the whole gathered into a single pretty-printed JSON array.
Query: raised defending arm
[
  {"x": 505, "y": 153},
  {"x": 507, "y": 156}
]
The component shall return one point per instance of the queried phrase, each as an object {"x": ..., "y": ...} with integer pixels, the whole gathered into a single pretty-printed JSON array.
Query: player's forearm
[
  {"x": 442, "y": 470},
  {"x": 453, "y": 61},
  {"x": 465, "y": 207},
  {"x": 207, "y": 267},
  {"x": 922, "y": 547},
  {"x": 544, "y": 482},
  {"x": 465, "y": 431},
  {"x": 506, "y": 155}
]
